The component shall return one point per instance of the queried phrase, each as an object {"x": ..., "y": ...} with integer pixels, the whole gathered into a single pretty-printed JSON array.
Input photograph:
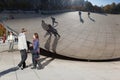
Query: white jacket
[
  {"x": 22, "y": 43},
  {"x": 10, "y": 38}
]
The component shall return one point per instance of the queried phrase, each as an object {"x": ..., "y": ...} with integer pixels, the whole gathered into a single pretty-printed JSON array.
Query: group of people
[
  {"x": 81, "y": 13},
  {"x": 22, "y": 46},
  {"x": 11, "y": 38}
]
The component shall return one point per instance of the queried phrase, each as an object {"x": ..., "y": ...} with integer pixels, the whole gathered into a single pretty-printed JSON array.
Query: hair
[
  {"x": 36, "y": 35},
  {"x": 11, "y": 32},
  {"x": 23, "y": 30},
  {"x": 43, "y": 21}
]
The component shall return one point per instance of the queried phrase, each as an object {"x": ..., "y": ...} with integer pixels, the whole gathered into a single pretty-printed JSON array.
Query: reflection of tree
[
  {"x": 2, "y": 30},
  {"x": 58, "y": 5},
  {"x": 15, "y": 4},
  {"x": 113, "y": 8},
  {"x": 88, "y": 6}
]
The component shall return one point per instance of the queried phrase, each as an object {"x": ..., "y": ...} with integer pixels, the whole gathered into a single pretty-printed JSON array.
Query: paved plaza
[
  {"x": 57, "y": 69},
  {"x": 95, "y": 37}
]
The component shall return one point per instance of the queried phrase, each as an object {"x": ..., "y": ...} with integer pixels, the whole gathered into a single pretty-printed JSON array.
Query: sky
[{"x": 103, "y": 2}]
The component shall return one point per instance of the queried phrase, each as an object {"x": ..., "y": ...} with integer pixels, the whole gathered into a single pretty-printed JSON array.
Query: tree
[
  {"x": 98, "y": 9},
  {"x": 24, "y": 5},
  {"x": 89, "y": 6},
  {"x": 2, "y": 30}
]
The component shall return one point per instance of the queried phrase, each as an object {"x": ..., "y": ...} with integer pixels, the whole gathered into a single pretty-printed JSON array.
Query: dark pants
[
  {"x": 35, "y": 59},
  {"x": 23, "y": 58}
]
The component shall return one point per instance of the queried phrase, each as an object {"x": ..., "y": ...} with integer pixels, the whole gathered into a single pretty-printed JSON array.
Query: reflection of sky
[{"x": 103, "y": 2}]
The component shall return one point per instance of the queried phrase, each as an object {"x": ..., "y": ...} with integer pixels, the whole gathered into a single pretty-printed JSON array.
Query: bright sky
[{"x": 103, "y": 2}]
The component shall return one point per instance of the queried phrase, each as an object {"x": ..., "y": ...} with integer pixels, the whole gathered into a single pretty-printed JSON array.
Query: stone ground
[
  {"x": 61, "y": 69},
  {"x": 57, "y": 69}
]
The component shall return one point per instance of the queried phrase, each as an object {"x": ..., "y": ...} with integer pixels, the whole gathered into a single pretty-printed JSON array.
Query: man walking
[{"x": 22, "y": 46}]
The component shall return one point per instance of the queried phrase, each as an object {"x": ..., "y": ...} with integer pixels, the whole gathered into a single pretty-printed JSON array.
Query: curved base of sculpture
[{"x": 90, "y": 37}]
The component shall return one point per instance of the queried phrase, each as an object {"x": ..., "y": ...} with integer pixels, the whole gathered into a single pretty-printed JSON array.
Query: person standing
[
  {"x": 4, "y": 37},
  {"x": 88, "y": 14},
  {"x": 36, "y": 52},
  {"x": 11, "y": 39},
  {"x": 79, "y": 13},
  {"x": 22, "y": 46}
]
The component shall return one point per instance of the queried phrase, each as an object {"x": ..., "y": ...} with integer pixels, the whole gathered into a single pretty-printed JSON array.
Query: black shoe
[
  {"x": 22, "y": 68},
  {"x": 33, "y": 67}
]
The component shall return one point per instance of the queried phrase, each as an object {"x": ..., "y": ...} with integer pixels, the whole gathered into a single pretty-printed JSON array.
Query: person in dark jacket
[{"x": 36, "y": 52}]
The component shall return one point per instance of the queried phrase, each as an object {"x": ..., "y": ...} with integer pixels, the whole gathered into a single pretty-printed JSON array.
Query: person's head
[
  {"x": 23, "y": 30},
  {"x": 43, "y": 21},
  {"x": 35, "y": 36},
  {"x": 11, "y": 32}
]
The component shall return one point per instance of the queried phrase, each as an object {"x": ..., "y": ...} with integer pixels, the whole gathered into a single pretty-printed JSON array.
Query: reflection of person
[
  {"x": 53, "y": 21},
  {"x": 88, "y": 13},
  {"x": 44, "y": 25},
  {"x": 35, "y": 51},
  {"x": 4, "y": 37},
  {"x": 80, "y": 13},
  {"x": 22, "y": 46},
  {"x": 11, "y": 39},
  {"x": 52, "y": 30}
]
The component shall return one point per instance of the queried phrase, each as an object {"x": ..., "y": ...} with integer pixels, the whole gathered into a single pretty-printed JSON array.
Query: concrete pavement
[{"x": 57, "y": 69}]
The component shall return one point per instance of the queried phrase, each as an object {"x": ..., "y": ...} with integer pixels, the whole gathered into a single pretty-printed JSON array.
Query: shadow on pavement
[
  {"x": 8, "y": 71},
  {"x": 81, "y": 19},
  {"x": 91, "y": 18}
]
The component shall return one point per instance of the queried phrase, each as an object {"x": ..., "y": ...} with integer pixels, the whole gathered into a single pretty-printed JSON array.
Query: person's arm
[
  {"x": 36, "y": 45},
  {"x": 25, "y": 42}
]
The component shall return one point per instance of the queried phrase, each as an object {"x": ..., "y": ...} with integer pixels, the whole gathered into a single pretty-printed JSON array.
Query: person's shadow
[
  {"x": 81, "y": 19},
  {"x": 91, "y": 18},
  {"x": 13, "y": 69},
  {"x": 47, "y": 44},
  {"x": 42, "y": 62}
]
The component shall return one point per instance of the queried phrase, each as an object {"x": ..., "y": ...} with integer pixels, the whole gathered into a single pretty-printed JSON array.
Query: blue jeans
[{"x": 35, "y": 56}]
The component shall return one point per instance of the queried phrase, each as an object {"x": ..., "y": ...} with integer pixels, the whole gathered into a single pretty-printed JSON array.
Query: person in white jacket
[
  {"x": 11, "y": 39},
  {"x": 22, "y": 46}
]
